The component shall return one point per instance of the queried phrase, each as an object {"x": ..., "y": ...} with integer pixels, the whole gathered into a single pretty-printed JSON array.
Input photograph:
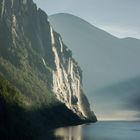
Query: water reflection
[
  {"x": 100, "y": 131},
  {"x": 69, "y": 133}
]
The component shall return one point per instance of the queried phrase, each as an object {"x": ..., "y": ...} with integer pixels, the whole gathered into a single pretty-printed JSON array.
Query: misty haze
[{"x": 69, "y": 70}]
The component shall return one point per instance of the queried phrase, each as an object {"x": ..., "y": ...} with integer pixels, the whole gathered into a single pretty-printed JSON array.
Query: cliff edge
[{"x": 36, "y": 62}]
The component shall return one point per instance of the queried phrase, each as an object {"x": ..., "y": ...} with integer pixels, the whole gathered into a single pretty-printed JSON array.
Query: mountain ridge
[
  {"x": 84, "y": 21},
  {"x": 98, "y": 28}
]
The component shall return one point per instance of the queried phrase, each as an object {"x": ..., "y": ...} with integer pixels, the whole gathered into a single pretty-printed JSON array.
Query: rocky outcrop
[
  {"x": 24, "y": 26},
  {"x": 67, "y": 79}
]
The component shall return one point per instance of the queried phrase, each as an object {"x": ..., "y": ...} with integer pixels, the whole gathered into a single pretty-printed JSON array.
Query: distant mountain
[
  {"x": 104, "y": 58},
  {"x": 124, "y": 95},
  {"x": 40, "y": 81}
]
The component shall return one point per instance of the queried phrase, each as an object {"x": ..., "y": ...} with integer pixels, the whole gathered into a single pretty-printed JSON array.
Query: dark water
[{"x": 108, "y": 130}]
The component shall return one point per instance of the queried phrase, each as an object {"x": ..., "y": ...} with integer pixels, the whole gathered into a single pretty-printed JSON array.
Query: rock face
[
  {"x": 25, "y": 27},
  {"x": 67, "y": 79}
]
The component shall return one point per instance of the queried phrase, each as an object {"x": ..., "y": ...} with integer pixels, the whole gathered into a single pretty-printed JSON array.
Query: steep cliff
[
  {"x": 34, "y": 59},
  {"x": 67, "y": 79}
]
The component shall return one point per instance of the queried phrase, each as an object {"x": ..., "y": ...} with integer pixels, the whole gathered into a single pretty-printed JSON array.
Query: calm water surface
[{"x": 100, "y": 131}]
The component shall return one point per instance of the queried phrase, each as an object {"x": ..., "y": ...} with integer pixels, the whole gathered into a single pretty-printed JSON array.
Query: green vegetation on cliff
[{"x": 19, "y": 122}]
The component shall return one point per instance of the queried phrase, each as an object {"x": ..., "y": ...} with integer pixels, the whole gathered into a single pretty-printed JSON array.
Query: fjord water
[{"x": 102, "y": 130}]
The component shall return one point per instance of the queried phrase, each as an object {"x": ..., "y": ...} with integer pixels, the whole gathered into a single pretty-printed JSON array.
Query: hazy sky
[{"x": 119, "y": 17}]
